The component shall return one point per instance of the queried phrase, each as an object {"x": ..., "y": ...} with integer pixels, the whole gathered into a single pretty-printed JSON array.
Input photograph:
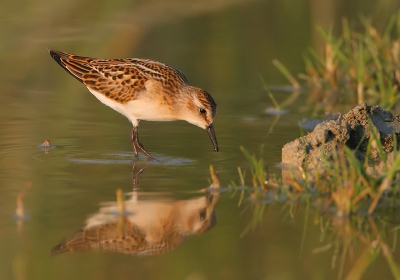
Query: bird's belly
[
  {"x": 149, "y": 110},
  {"x": 140, "y": 109}
]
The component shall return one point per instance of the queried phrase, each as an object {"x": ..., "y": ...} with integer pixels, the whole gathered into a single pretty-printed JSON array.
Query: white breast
[{"x": 140, "y": 109}]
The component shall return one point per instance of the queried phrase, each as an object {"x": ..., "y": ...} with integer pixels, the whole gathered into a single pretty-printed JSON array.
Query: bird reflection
[{"x": 145, "y": 224}]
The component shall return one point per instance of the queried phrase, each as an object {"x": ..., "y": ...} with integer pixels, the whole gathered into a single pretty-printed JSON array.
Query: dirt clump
[{"x": 352, "y": 130}]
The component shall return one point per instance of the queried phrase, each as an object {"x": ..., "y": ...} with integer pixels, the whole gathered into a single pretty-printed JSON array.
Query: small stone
[{"x": 46, "y": 143}]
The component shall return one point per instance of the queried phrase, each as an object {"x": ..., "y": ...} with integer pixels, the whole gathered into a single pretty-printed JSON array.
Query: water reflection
[
  {"x": 147, "y": 223},
  {"x": 356, "y": 242},
  {"x": 20, "y": 214},
  {"x": 128, "y": 157},
  {"x": 353, "y": 241}
]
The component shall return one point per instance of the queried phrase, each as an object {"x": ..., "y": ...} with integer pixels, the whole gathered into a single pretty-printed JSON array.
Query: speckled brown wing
[
  {"x": 127, "y": 239},
  {"x": 119, "y": 79},
  {"x": 111, "y": 237}
]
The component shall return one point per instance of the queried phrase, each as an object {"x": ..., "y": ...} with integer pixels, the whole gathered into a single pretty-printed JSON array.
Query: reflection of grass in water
[
  {"x": 355, "y": 67},
  {"x": 356, "y": 242},
  {"x": 353, "y": 200}
]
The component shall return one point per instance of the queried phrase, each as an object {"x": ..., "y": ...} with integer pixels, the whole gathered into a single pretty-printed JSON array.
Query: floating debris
[
  {"x": 46, "y": 143},
  {"x": 46, "y": 146}
]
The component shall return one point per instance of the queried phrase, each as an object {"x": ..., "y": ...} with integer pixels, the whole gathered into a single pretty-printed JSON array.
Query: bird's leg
[
  {"x": 135, "y": 175},
  {"x": 133, "y": 136},
  {"x": 137, "y": 146}
]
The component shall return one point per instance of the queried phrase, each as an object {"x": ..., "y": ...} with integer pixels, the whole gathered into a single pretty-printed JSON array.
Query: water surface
[{"x": 221, "y": 46}]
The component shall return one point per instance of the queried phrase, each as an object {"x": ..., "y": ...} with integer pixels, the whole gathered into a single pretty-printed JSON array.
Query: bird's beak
[{"x": 211, "y": 133}]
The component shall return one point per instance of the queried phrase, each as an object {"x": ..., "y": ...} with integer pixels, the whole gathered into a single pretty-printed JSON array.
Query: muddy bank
[{"x": 352, "y": 130}]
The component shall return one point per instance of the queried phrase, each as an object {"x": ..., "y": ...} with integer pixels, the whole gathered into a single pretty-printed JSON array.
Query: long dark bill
[{"x": 211, "y": 133}]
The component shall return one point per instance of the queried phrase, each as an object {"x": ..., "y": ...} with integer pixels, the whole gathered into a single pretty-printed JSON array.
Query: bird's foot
[{"x": 137, "y": 146}]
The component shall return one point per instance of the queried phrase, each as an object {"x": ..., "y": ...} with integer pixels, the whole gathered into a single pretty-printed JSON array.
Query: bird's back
[{"x": 120, "y": 80}]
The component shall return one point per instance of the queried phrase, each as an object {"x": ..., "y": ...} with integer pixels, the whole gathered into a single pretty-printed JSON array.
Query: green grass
[
  {"x": 345, "y": 182},
  {"x": 354, "y": 204},
  {"x": 354, "y": 67},
  {"x": 356, "y": 200}
]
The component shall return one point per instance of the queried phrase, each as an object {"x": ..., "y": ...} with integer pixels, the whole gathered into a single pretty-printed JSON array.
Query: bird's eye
[
  {"x": 203, "y": 111},
  {"x": 202, "y": 215}
]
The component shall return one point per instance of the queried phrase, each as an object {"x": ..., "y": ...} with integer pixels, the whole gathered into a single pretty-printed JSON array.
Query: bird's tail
[{"x": 75, "y": 65}]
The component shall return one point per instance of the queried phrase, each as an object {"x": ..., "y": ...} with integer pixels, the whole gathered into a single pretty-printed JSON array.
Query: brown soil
[{"x": 351, "y": 129}]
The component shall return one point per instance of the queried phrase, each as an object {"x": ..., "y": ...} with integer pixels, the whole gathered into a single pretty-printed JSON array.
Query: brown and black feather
[{"x": 118, "y": 79}]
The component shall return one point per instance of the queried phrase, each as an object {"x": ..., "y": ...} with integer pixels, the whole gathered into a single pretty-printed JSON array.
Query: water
[{"x": 221, "y": 46}]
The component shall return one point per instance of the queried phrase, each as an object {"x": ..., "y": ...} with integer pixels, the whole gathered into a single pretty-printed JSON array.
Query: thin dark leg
[
  {"x": 135, "y": 175},
  {"x": 137, "y": 146}
]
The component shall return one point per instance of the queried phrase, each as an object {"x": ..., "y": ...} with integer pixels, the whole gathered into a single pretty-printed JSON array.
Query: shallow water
[{"x": 222, "y": 46}]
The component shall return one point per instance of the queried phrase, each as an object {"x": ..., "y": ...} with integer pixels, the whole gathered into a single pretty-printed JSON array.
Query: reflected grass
[
  {"x": 357, "y": 205},
  {"x": 20, "y": 213}
]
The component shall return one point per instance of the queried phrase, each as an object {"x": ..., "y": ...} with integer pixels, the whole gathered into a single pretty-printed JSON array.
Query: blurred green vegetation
[{"x": 354, "y": 67}]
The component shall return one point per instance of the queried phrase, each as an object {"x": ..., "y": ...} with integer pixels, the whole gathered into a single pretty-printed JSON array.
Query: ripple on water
[
  {"x": 275, "y": 111},
  {"x": 125, "y": 158},
  {"x": 42, "y": 153}
]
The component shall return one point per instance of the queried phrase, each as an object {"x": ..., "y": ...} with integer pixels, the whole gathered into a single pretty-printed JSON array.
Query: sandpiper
[
  {"x": 145, "y": 226},
  {"x": 142, "y": 89}
]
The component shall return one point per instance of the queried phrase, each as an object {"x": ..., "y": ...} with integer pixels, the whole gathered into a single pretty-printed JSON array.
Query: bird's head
[{"x": 200, "y": 110}]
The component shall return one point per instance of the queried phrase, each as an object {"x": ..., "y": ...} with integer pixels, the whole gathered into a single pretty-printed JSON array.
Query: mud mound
[{"x": 351, "y": 129}]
